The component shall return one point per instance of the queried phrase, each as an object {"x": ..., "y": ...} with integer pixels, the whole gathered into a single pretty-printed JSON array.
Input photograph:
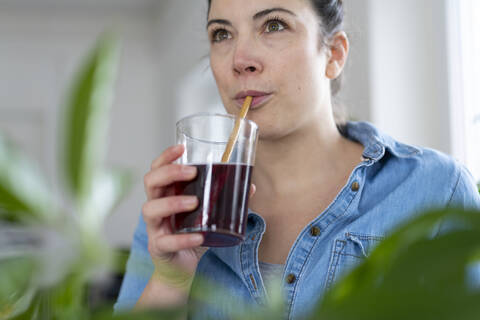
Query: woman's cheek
[
  {"x": 279, "y": 43},
  {"x": 220, "y": 56},
  {"x": 220, "y": 73}
]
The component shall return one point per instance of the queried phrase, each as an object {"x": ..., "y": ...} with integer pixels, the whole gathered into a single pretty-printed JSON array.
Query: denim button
[
  {"x": 290, "y": 278},
  {"x": 315, "y": 231},
  {"x": 355, "y": 186}
]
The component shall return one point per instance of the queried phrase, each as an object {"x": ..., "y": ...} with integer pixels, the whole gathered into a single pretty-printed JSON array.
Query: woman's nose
[{"x": 246, "y": 60}]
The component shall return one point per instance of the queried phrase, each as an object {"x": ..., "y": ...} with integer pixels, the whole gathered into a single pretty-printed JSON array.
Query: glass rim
[{"x": 178, "y": 125}]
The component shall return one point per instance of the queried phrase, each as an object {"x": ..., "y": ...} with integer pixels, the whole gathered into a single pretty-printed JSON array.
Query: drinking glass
[{"x": 222, "y": 188}]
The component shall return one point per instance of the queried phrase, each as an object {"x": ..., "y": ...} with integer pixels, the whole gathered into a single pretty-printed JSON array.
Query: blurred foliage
[
  {"x": 416, "y": 273},
  {"x": 17, "y": 172},
  {"x": 48, "y": 254}
]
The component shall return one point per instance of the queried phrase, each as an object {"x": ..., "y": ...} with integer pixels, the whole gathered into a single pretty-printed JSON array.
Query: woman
[{"x": 326, "y": 192}]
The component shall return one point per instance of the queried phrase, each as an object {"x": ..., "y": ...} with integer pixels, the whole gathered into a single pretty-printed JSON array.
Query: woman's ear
[{"x": 337, "y": 53}]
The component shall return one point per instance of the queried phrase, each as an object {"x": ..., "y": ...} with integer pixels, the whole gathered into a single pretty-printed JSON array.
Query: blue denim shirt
[{"x": 393, "y": 183}]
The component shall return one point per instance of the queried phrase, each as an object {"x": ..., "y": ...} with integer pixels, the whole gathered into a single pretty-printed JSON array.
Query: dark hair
[{"x": 331, "y": 16}]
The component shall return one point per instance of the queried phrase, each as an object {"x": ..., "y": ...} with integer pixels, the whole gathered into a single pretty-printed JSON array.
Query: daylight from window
[
  {"x": 464, "y": 33},
  {"x": 472, "y": 90}
]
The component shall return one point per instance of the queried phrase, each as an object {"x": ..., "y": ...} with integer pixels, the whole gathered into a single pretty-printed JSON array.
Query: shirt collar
[{"x": 375, "y": 142}]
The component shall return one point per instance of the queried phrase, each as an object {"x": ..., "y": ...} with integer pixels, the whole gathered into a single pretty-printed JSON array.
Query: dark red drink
[{"x": 221, "y": 216}]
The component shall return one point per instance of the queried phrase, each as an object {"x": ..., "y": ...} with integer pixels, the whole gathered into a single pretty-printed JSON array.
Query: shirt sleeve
[
  {"x": 466, "y": 194},
  {"x": 138, "y": 272}
]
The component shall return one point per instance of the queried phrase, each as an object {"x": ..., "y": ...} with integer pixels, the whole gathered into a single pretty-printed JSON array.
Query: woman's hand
[{"x": 175, "y": 256}]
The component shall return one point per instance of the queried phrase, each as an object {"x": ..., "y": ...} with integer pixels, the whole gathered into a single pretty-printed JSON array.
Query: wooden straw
[{"x": 234, "y": 135}]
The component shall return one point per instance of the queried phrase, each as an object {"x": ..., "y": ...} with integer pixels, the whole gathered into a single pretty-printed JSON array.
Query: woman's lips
[{"x": 257, "y": 101}]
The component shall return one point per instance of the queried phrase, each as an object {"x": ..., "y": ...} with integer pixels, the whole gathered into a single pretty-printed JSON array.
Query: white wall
[
  {"x": 355, "y": 93},
  {"x": 408, "y": 71}
]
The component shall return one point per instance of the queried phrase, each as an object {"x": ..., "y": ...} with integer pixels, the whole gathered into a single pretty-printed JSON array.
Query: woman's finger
[
  {"x": 168, "y": 156},
  {"x": 154, "y": 211},
  {"x": 166, "y": 175},
  {"x": 165, "y": 244}
]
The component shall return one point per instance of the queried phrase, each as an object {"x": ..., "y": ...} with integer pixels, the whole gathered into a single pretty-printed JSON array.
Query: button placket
[
  {"x": 250, "y": 270},
  {"x": 316, "y": 232}
]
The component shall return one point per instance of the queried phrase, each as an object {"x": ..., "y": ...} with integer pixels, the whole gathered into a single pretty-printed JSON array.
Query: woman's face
[{"x": 271, "y": 50}]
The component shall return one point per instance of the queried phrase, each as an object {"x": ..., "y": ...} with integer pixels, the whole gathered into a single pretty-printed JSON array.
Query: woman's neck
[{"x": 302, "y": 157}]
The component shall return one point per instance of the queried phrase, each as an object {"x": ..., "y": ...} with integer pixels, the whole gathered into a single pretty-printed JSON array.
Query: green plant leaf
[
  {"x": 16, "y": 276},
  {"x": 23, "y": 191},
  {"x": 67, "y": 254},
  {"x": 413, "y": 274},
  {"x": 32, "y": 258},
  {"x": 42, "y": 307},
  {"x": 86, "y": 119},
  {"x": 67, "y": 299},
  {"x": 29, "y": 313},
  {"x": 167, "y": 314},
  {"x": 119, "y": 260},
  {"x": 108, "y": 188}
]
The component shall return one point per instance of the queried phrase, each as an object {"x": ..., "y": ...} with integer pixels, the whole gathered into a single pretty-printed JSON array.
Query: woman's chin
[{"x": 269, "y": 131}]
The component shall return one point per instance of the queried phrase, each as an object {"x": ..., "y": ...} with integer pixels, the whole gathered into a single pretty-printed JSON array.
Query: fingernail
[
  {"x": 190, "y": 202},
  {"x": 178, "y": 147},
  {"x": 197, "y": 238},
  {"x": 189, "y": 170}
]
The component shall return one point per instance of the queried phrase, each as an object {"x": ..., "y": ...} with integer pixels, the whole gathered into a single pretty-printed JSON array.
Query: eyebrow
[
  {"x": 219, "y": 21},
  {"x": 257, "y": 16},
  {"x": 268, "y": 11}
]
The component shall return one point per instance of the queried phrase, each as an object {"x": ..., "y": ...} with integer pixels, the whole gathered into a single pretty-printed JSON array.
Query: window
[{"x": 464, "y": 57}]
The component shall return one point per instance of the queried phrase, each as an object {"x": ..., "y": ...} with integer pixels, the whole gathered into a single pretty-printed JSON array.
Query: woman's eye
[
  {"x": 274, "y": 26},
  {"x": 220, "y": 35}
]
